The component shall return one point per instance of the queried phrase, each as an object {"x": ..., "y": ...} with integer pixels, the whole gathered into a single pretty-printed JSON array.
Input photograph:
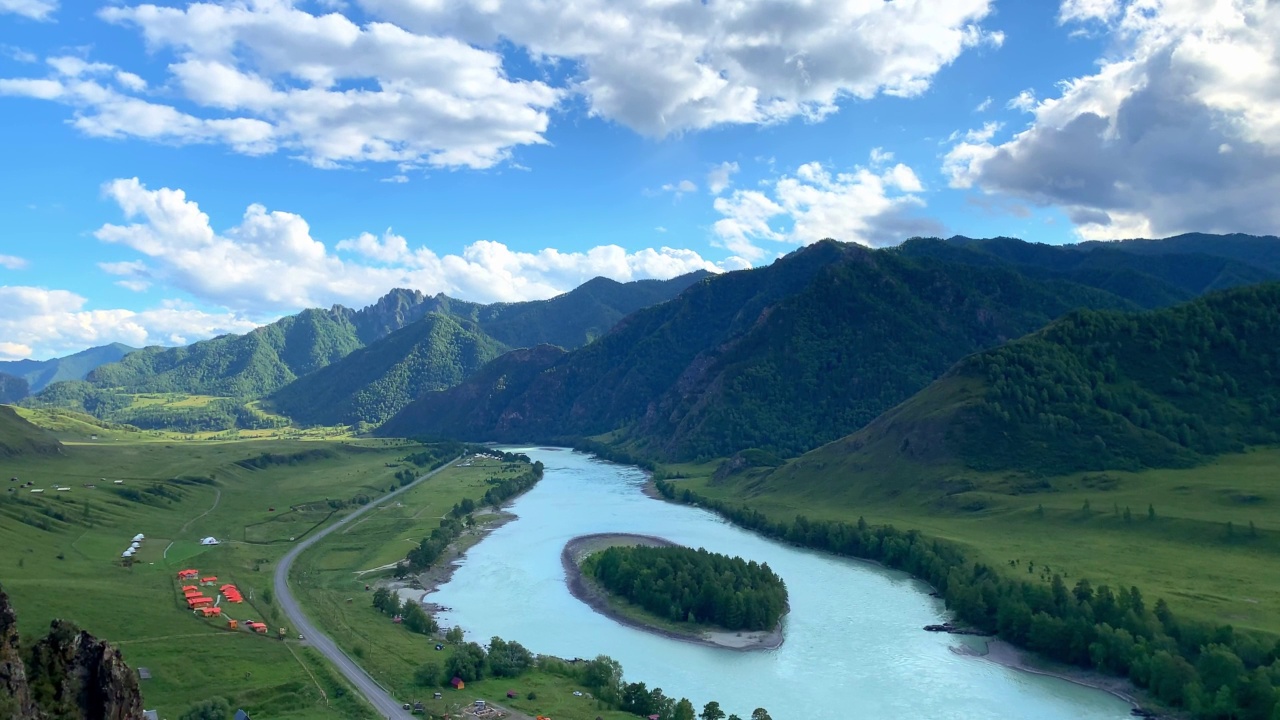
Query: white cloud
[
  {"x": 12, "y": 262},
  {"x": 862, "y": 205},
  {"x": 267, "y": 76},
  {"x": 680, "y": 188},
  {"x": 721, "y": 177},
  {"x": 270, "y": 263},
  {"x": 667, "y": 67},
  {"x": 1086, "y": 10},
  {"x": 41, "y": 322},
  {"x": 1135, "y": 148},
  {"x": 34, "y": 9},
  {"x": 1024, "y": 101},
  {"x": 984, "y": 105}
]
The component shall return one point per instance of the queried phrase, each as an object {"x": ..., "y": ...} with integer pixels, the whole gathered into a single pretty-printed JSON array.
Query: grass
[
  {"x": 329, "y": 584},
  {"x": 62, "y": 559},
  {"x": 1186, "y": 554}
]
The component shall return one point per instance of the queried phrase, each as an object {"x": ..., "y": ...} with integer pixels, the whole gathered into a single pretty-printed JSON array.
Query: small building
[
  {"x": 209, "y": 580},
  {"x": 232, "y": 624},
  {"x": 479, "y": 705},
  {"x": 151, "y": 715},
  {"x": 139, "y": 537},
  {"x": 135, "y": 545},
  {"x": 457, "y": 683},
  {"x": 127, "y": 553},
  {"x": 242, "y": 715},
  {"x": 117, "y": 482},
  {"x": 38, "y": 490},
  {"x": 188, "y": 574},
  {"x": 62, "y": 489},
  {"x": 144, "y": 673},
  {"x": 437, "y": 696},
  {"x": 209, "y": 541}
]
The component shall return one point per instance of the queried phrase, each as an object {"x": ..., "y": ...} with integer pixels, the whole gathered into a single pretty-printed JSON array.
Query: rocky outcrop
[
  {"x": 71, "y": 674},
  {"x": 15, "y": 695}
]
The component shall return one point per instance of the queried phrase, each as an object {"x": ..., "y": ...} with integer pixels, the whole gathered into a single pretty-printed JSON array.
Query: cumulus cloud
[
  {"x": 40, "y": 322},
  {"x": 34, "y": 9},
  {"x": 12, "y": 262},
  {"x": 268, "y": 76},
  {"x": 721, "y": 177},
  {"x": 1178, "y": 130},
  {"x": 865, "y": 205},
  {"x": 270, "y": 262},
  {"x": 668, "y": 67}
]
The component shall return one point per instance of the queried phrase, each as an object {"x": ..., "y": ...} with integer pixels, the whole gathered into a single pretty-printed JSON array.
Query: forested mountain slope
[
  {"x": 1259, "y": 251},
  {"x": 12, "y": 388},
  {"x": 375, "y": 382},
  {"x": 783, "y": 358},
  {"x": 41, "y": 373},
  {"x": 1093, "y": 391}
]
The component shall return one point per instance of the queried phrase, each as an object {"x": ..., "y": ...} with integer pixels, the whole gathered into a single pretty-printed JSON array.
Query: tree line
[
  {"x": 471, "y": 662},
  {"x": 1215, "y": 672},
  {"x": 697, "y": 586},
  {"x": 430, "y": 548}
]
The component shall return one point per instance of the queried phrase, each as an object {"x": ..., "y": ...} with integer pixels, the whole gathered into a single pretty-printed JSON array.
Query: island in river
[{"x": 586, "y": 589}]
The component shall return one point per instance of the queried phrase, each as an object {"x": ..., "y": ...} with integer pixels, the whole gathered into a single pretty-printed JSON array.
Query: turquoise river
[{"x": 854, "y": 644}]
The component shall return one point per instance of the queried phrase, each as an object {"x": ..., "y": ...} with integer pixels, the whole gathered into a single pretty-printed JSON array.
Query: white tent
[
  {"x": 135, "y": 546},
  {"x": 139, "y": 537},
  {"x": 127, "y": 553},
  {"x": 209, "y": 541}
]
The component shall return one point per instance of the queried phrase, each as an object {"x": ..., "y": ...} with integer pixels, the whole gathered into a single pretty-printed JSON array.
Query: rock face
[
  {"x": 15, "y": 695},
  {"x": 72, "y": 675}
]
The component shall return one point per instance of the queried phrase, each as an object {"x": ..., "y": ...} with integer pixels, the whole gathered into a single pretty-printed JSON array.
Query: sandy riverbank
[
  {"x": 1002, "y": 653},
  {"x": 588, "y": 592}
]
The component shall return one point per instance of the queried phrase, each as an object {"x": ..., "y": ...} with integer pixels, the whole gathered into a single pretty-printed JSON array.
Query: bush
[{"x": 212, "y": 709}]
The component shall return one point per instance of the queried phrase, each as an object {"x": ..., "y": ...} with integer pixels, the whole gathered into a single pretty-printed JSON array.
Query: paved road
[{"x": 378, "y": 697}]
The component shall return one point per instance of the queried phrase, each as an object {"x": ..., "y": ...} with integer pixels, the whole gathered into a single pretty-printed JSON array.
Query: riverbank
[
  {"x": 1007, "y": 655},
  {"x": 431, "y": 579},
  {"x": 587, "y": 591}
]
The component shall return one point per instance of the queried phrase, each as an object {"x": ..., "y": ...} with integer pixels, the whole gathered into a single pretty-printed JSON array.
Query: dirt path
[{"x": 217, "y": 497}]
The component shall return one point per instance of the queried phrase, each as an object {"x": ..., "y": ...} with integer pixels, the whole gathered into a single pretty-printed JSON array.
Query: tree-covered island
[{"x": 681, "y": 591}]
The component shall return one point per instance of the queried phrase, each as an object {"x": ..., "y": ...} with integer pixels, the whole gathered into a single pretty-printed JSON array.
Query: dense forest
[
  {"x": 696, "y": 586},
  {"x": 1213, "y": 671},
  {"x": 13, "y": 388},
  {"x": 1113, "y": 390}
]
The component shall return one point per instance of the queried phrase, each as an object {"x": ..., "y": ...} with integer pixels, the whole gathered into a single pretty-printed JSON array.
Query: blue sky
[{"x": 185, "y": 169}]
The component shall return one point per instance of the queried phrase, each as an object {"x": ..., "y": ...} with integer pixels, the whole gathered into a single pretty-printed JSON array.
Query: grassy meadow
[
  {"x": 62, "y": 559},
  {"x": 1212, "y": 549},
  {"x": 337, "y": 568}
]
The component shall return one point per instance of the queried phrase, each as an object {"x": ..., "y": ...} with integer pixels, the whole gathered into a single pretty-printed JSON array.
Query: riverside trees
[{"x": 685, "y": 585}]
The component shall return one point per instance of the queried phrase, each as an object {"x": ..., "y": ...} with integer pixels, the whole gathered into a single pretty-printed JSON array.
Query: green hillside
[
  {"x": 246, "y": 365},
  {"x": 20, "y": 438},
  {"x": 782, "y": 358},
  {"x": 41, "y": 373},
  {"x": 1093, "y": 391},
  {"x": 375, "y": 382}
]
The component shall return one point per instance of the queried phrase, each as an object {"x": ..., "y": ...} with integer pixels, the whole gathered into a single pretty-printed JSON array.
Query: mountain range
[
  {"x": 430, "y": 342},
  {"x": 39, "y": 374},
  {"x": 787, "y": 357}
]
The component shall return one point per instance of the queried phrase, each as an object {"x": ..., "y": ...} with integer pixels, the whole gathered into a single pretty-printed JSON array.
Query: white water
[{"x": 854, "y": 645}]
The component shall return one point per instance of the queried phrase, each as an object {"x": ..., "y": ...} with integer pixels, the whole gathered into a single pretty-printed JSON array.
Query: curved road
[{"x": 377, "y": 695}]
